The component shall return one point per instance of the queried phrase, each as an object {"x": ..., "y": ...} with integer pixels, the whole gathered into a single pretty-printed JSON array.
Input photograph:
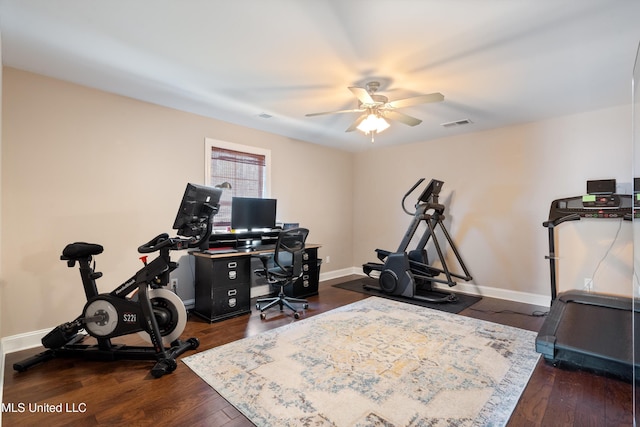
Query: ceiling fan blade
[
  {"x": 402, "y": 118},
  {"x": 415, "y": 100},
  {"x": 362, "y": 95},
  {"x": 355, "y": 110},
  {"x": 355, "y": 124}
]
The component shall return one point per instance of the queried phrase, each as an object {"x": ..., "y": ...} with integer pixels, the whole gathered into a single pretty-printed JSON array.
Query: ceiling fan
[{"x": 377, "y": 108}]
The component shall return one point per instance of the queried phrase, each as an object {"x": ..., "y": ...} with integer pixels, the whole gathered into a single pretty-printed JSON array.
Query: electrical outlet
[
  {"x": 588, "y": 284},
  {"x": 327, "y": 259},
  {"x": 174, "y": 284}
]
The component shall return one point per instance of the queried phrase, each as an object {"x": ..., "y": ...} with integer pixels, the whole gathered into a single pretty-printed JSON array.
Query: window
[{"x": 245, "y": 168}]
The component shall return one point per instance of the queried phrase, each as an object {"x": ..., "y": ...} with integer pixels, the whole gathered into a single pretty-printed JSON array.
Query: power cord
[
  {"x": 606, "y": 254},
  {"x": 536, "y": 313}
]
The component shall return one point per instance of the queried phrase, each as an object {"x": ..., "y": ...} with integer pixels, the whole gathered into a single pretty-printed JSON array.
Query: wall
[
  {"x": 498, "y": 188},
  {"x": 80, "y": 164},
  {"x": 83, "y": 165}
]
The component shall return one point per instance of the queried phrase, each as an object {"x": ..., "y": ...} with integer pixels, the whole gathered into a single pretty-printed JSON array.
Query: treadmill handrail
[{"x": 558, "y": 221}]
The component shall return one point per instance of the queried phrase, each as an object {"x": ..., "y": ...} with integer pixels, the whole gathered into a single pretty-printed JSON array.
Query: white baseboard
[
  {"x": 33, "y": 339},
  {"x": 263, "y": 290},
  {"x": 506, "y": 294},
  {"x": 335, "y": 274},
  {"x": 487, "y": 291},
  {"x": 24, "y": 341},
  {"x": 260, "y": 291}
]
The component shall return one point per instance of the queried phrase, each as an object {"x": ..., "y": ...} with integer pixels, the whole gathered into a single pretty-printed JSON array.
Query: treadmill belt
[
  {"x": 595, "y": 330},
  {"x": 590, "y": 332}
]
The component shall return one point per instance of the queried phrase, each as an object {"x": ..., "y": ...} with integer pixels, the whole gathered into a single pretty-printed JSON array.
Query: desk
[{"x": 223, "y": 282}]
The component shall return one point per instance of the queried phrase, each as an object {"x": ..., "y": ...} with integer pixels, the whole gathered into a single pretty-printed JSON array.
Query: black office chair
[{"x": 287, "y": 268}]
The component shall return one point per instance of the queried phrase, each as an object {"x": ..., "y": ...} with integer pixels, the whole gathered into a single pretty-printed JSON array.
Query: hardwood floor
[{"x": 124, "y": 393}]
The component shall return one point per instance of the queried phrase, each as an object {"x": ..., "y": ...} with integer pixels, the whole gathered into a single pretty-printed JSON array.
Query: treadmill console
[
  {"x": 601, "y": 201},
  {"x": 590, "y": 206}
]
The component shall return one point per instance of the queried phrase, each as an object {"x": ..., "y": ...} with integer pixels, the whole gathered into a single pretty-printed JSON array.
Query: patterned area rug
[{"x": 376, "y": 362}]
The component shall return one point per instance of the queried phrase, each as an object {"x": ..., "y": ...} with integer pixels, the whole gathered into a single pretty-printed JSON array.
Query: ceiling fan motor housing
[{"x": 379, "y": 100}]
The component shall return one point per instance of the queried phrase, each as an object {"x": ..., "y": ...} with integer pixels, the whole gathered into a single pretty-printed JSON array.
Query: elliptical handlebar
[{"x": 407, "y": 195}]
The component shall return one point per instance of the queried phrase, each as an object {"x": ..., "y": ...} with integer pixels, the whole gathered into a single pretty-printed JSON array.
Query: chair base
[{"x": 283, "y": 301}]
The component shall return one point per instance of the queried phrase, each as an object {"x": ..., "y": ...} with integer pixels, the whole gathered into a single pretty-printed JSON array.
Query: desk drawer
[
  {"x": 222, "y": 287},
  {"x": 227, "y": 271},
  {"x": 306, "y": 285}
]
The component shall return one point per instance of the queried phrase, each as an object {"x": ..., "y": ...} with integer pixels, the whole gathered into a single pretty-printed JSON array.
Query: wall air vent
[{"x": 456, "y": 123}]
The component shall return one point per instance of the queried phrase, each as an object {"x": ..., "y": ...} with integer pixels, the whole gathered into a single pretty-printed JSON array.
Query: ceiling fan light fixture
[{"x": 373, "y": 124}]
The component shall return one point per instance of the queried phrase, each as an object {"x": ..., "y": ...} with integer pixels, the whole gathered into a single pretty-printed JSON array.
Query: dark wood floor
[{"x": 124, "y": 393}]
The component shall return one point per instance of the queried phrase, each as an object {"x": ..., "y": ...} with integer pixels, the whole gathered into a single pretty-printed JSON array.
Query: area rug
[
  {"x": 463, "y": 300},
  {"x": 376, "y": 362}
]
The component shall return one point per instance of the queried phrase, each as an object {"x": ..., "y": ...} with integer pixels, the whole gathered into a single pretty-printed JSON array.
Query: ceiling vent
[{"x": 461, "y": 122}]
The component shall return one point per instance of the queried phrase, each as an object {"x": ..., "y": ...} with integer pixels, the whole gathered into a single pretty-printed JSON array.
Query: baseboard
[
  {"x": 24, "y": 341},
  {"x": 487, "y": 291},
  {"x": 264, "y": 290},
  {"x": 335, "y": 274},
  {"x": 506, "y": 294},
  {"x": 260, "y": 291},
  {"x": 28, "y": 340}
]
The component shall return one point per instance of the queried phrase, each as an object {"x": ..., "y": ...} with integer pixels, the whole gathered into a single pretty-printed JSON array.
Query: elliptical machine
[
  {"x": 409, "y": 274},
  {"x": 140, "y": 305}
]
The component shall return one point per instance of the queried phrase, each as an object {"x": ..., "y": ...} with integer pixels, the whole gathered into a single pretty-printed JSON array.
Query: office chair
[{"x": 287, "y": 268}]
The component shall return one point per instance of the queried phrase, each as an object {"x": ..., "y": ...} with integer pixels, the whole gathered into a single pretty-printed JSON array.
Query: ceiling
[{"x": 265, "y": 64}]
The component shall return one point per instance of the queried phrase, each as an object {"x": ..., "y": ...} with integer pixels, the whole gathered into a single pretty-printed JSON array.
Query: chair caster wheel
[
  {"x": 263, "y": 316},
  {"x": 258, "y": 307},
  {"x": 305, "y": 306},
  {"x": 296, "y": 315}
]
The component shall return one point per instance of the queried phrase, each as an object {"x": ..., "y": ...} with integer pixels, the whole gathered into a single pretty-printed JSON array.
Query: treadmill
[{"x": 587, "y": 330}]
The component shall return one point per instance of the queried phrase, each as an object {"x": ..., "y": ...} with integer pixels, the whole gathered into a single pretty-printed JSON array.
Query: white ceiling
[{"x": 497, "y": 62}]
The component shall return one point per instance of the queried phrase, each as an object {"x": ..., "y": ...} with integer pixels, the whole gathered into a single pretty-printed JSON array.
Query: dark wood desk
[{"x": 223, "y": 282}]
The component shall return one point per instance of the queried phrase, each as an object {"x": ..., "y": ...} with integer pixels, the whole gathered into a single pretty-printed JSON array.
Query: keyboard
[
  {"x": 264, "y": 247},
  {"x": 220, "y": 251}
]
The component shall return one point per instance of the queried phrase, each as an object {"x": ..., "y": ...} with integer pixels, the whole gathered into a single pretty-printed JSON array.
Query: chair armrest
[{"x": 264, "y": 258}]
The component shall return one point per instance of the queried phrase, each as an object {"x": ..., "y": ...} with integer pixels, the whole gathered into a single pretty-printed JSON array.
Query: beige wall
[
  {"x": 83, "y": 165},
  {"x": 498, "y": 188},
  {"x": 80, "y": 164},
  {"x": 1, "y": 275}
]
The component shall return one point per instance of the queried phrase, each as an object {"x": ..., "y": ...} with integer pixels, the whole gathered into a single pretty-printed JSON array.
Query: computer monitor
[
  {"x": 199, "y": 203},
  {"x": 251, "y": 213}
]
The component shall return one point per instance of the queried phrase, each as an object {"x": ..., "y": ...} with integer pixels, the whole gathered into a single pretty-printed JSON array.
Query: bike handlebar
[{"x": 155, "y": 244}]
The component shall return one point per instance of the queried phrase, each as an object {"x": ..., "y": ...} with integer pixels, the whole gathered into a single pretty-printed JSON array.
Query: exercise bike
[
  {"x": 409, "y": 274},
  {"x": 141, "y": 305}
]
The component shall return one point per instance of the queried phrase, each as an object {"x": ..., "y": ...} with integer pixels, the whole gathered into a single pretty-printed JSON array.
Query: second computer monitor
[{"x": 250, "y": 213}]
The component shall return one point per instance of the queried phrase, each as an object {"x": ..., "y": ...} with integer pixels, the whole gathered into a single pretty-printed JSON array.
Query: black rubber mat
[{"x": 463, "y": 300}]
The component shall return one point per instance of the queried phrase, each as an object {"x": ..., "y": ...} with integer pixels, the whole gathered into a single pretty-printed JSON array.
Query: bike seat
[{"x": 79, "y": 250}]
